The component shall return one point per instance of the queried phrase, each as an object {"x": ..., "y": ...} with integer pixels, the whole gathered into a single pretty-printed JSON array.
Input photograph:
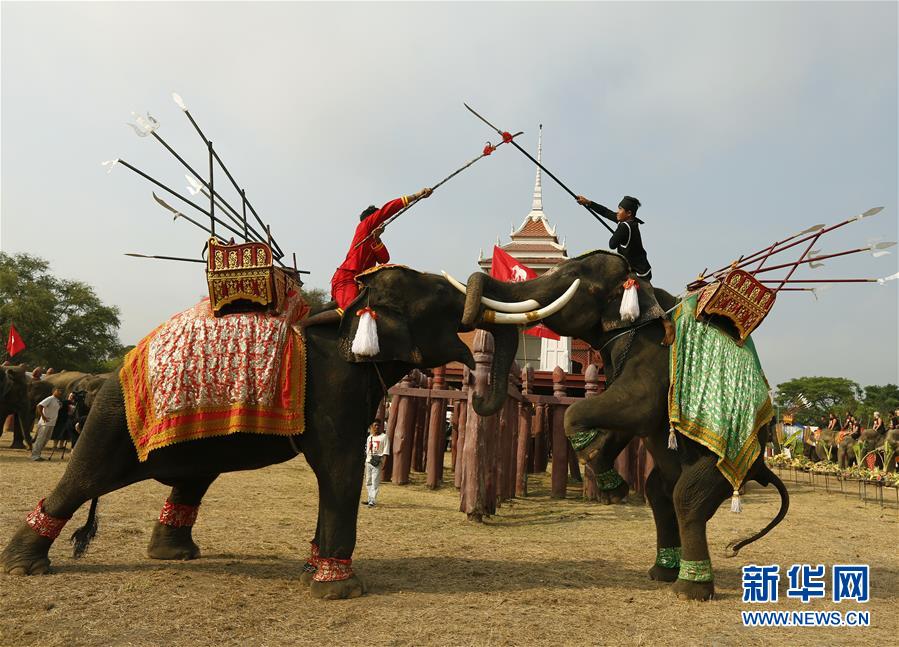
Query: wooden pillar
[
  {"x": 524, "y": 434},
  {"x": 559, "y": 441},
  {"x": 475, "y": 500},
  {"x": 541, "y": 438},
  {"x": 591, "y": 390},
  {"x": 404, "y": 432},
  {"x": 418, "y": 437},
  {"x": 463, "y": 421},
  {"x": 436, "y": 433},
  {"x": 454, "y": 433}
]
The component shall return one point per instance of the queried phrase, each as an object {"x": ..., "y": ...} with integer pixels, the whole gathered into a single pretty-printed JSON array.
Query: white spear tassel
[
  {"x": 736, "y": 504},
  {"x": 177, "y": 99},
  {"x": 111, "y": 164},
  {"x": 891, "y": 277},
  {"x": 365, "y": 343},
  {"x": 672, "y": 439},
  {"x": 630, "y": 304},
  {"x": 194, "y": 187}
]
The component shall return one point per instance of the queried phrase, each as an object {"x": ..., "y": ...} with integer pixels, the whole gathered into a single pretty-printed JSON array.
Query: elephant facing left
[{"x": 418, "y": 318}]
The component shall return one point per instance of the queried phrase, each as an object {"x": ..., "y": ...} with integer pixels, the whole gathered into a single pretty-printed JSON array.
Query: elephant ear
[
  {"x": 649, "y": 306},
  {"x": 395, "y": 340}
]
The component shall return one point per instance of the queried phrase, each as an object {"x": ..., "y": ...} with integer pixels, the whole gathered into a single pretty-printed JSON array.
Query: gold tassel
[
  {"x": 672, "y": 439},
  {"x": 736, "y": 504}
]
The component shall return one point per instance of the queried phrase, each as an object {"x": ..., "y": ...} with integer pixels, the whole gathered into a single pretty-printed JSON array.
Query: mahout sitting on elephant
[
  {"x": 686, "y": 487},
  {"x": 418, "y": 317}
]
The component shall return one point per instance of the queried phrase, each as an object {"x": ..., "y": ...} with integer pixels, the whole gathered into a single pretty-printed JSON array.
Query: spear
[
  {"x": 168, "y": 258},
  {"x": 814, "y": 233},
  {"x": 541, "y": 167},
  {"x": 488, "y": 150},
  {"x": 875, "y": 248},
  {"x": 881, "y": 281},
  {"x": 180, "y": 102}
]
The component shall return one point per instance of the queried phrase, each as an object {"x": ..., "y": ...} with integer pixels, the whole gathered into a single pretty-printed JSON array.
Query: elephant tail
[
  {"x": 81, "y": 538},
  {"x": 764, "y": 476}
]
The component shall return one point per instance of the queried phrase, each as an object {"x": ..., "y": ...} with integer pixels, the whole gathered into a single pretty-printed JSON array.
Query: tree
[
  {"x": 884, "y": 399},
  {"x": 814, "y": 397},
  {"x": 315, "y": 297},
  {"x": 63, "y": 323}
]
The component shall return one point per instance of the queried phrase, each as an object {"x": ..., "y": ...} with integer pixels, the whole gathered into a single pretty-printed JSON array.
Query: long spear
[
  {"x": 488, "y": 150},
  {"x": 883, "y": 280},
  {"x": 542, "y": 168},
  {"x": 168, "y": 258},
  {"x": 180, "y": 102},
  {"x": 875, "y": 248}
]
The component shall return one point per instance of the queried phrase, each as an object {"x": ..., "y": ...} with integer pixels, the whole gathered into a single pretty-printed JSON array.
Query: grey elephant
[{"x": 685, "y": 488}]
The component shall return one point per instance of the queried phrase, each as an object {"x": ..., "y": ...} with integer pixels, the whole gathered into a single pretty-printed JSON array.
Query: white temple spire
[{"x": 537, "y": 205}]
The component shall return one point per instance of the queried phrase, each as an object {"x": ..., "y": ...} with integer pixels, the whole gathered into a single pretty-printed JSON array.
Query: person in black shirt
[{"x": 626, "y": 240}]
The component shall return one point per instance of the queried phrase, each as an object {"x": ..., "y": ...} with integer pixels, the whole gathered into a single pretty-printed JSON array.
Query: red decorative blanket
[{"x": 197, "y": 376}]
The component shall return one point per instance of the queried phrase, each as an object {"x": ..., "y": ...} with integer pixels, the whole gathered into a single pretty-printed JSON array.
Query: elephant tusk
[
  {"x": 535, "y": 315},
  {"x": 500, "y": 306}
]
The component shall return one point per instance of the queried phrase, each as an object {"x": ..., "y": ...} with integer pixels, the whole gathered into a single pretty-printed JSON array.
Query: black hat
[
  {"x": 370, "y": 209},
  {"x": 629, "y": 204}
]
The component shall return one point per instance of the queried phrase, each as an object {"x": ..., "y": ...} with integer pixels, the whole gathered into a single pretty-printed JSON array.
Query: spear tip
[
  {"x": 870, "y": 212},
  {"x": 178, "y": 100}
]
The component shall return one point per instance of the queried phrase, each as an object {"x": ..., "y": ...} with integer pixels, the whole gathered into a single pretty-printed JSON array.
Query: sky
[{"x": 735, "y": 124}]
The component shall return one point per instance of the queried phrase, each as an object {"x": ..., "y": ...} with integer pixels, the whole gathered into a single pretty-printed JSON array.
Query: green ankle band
[
  {"x": 610, "y": 480},
  {"x": 582, "y": 439},
  {"x": 668, "y": 557},
  {"x": 700, "y": 571}
]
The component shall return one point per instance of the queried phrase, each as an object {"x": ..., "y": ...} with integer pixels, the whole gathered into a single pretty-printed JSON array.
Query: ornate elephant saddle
[{"x": 739, "y": 298}]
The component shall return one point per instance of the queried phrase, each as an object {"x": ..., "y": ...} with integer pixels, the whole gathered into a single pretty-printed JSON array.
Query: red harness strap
[
  {"x": 178, "y": 515},
  {"x": 43, "y": 524}
]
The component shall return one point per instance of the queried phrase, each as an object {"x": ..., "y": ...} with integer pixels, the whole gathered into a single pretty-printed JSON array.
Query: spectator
[
  {"x": 376, "y": 448},
  {"x": 47, "y": 410},
  {"x": 61, "y": 428},
  {"x": 877, "y": 426},
  {"x": 894, "y": 421}
]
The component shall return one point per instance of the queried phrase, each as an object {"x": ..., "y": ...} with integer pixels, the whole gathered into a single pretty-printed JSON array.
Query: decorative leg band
[
  {"x": 668, "y": 557},
  {"x": 581, "y": 440},
  {"x": 311, "y": 564},
  {"x": 178, "y": 515},
  {"x": 331, "y": 569},
  {"x": 610, "y": 480},
  {"x": 43, "y": 524},
  {"x": 700, "y": 571}
]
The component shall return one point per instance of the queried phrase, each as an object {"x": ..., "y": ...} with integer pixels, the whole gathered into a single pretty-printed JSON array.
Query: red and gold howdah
[
  {"x": 740, "y": 298},
  {"x": 246, "y": 272}
]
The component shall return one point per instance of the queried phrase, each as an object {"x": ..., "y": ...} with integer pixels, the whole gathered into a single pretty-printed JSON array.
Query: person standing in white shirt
[
  {"x": 377, "y": 448},
  {"x": 47, "y": 410}
]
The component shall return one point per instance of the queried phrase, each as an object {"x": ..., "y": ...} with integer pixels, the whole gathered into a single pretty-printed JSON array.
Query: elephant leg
[
  {"x": 105, "y": 461},
  {"x": 339, "y": 474},
  {"x": 668, "y": 546},
  {"x": 172, "y": 533},
  {"x": 601, "y": 467},
  {"x": 698, "y": 494}
]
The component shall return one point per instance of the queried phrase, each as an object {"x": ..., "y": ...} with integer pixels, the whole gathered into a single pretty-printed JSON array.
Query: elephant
[
  {"x": 685, "y": 488},
  {"x": 835, "y": 446},
  {"x": 19, "y": 395},
  {"x": 418, "y": 318}
]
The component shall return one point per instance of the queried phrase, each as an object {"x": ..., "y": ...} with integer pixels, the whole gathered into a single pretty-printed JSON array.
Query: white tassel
[
  {"x": 365, "y": 344},
  {"x": 630, "y": 305},
  {"x": 736, "y": 504},
  {"x": 672, "y": 439}
]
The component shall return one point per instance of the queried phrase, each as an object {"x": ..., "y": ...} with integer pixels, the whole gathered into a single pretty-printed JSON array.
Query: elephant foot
[
  {"x": 339, "y": 590},
  {"x": 662, "y": 574},
  {"x": 617, "y": 495},
  {"x": 26, "y": 553},
  {"x": 169, "y": 542},
  {"x": 688, "y": 590},
  {"x": 306, "y": 577}
]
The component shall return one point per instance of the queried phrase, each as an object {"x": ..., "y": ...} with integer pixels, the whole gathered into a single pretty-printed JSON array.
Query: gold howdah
[
  {"x": 740, "y": 298},
  {"x": 243, "y": 274}
]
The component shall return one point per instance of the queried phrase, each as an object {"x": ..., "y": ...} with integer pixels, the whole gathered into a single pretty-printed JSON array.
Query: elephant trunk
[
  {"x": 471, "y": 316},
  {"x": 506, "y": 344},
  {"x": 764, "y": 476}
]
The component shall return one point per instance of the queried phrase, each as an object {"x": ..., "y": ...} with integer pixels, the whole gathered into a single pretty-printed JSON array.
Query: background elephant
[
  {"x": 685, "y": 488},
  {"x": 418, "y": 319},
  {"x": 832, "y": 446}
]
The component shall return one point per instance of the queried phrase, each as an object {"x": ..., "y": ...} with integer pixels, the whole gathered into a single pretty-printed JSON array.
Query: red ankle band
[
  {"x": 43, "y": 524},
  {"x": 178, "y": 515}
]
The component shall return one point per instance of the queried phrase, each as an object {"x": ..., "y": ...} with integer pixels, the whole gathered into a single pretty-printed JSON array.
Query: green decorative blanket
[{"x": 718, "y": 394}]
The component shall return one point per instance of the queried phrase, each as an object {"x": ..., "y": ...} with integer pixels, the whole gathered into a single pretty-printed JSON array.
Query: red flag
[
  {"x": 14, "y": 344},
  {"x": 507, "y": 268}
]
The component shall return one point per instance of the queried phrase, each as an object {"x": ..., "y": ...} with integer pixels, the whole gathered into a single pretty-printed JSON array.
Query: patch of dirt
[{"x": 540, "y": 572}]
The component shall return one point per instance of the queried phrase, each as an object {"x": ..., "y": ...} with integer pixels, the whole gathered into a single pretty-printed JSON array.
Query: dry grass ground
[{"x": 541, "y": 572}]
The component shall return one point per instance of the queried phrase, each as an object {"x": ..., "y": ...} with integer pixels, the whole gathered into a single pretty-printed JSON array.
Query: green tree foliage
[
  {"x": 810, "y": 398},
  {"x": 315, "y": 297},
  {"x": 884, "y": 399},
  {"x": 63, "y": 323}
]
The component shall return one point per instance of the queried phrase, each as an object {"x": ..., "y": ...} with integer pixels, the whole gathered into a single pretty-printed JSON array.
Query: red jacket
[{"x": 366, "y": 255}]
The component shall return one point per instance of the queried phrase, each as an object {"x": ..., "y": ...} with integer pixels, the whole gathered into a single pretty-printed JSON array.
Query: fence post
[
  {"x": 541, "y": 438},
  {"x": 524, "y": 434},
  {"x": 559, "y": 441},
  {"x": 463, "y": 422},
  {"x": 404, "y": 429},
  {"x": 418, "y": 438},
  {"x": 436, "y": 433},
  {"x": 475, "y": 499}
]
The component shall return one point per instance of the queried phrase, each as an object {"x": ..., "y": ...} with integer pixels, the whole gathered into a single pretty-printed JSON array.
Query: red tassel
[
  {"x": 630, "y": 283},
  {"x": 489, "y": 148},
  {"x": 374, "y": 315},
  {"x": 507, "y": 137}
]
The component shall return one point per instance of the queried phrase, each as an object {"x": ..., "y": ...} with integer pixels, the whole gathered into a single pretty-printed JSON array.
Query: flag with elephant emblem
[{"x": 198, "y": 376}]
